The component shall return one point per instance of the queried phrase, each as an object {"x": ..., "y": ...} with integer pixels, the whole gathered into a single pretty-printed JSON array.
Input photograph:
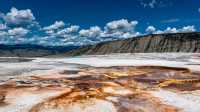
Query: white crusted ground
[
  {"x": 188, "y": 60},
  {"x": 188, "y": 102}
]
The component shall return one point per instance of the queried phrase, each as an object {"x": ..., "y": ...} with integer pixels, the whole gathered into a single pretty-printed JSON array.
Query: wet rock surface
[
  {"x": 111, "y": 89},
  {"x": 64, "y": 86}
]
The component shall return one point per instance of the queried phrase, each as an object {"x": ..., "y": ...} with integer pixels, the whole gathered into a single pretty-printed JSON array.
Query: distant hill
[
  {"x": 178, "y": 42},
  {"x": 28, "y": 50}
]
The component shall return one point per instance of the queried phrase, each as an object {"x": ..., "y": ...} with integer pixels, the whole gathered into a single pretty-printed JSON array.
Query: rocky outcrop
[{"x": 179, "y": 42}]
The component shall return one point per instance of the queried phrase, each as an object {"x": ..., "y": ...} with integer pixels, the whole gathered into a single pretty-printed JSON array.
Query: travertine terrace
[{"x": 109, "y": 83}]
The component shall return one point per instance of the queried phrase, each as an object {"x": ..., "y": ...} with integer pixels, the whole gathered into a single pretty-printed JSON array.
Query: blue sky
[{"x": 79, "y": 22}]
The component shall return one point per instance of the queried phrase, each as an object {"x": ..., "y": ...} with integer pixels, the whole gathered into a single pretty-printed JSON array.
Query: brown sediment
[
  {"x": 128, "y": 102},
  {"x": 181, "y": 84},
  {"x": 2, "y": 96},
  {"x": 91, "y": 87}
]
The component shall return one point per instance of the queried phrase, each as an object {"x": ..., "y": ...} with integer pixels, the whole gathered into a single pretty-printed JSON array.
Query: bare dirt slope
[{"x": 180, "y": 42}]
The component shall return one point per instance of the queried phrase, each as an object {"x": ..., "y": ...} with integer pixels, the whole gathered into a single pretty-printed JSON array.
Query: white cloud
[
  {"x": 50, "y": 32},
  {"x": 120, "y": 29},
  {"x": 63, "y": 32},
  {"x": 113, "y": 30},
  {"x": 72, "y": 29},
  {"x": 188, "y": 29},
  {"x": 55, "y": 26},
  {"x": 199, "y": 9},
  {"x": 69, "y": 30},
  {"x": 18, "y": 17},
  {"x": 18, "y": 32},
  {"x": 122, "y": 25},
  {"x": 94, "y": 31},
  {"x": 171, "y": 30},
  {"x": 158, "y": 32},
  {"x": 24, "y": 26},
  {"x": 150, "y": 29},
  {"x": 119, "y": 35},
  {"x": 167, "y": 30},
  {"x": 130, "y": 35},
  {"x": 184, "y": 29}
]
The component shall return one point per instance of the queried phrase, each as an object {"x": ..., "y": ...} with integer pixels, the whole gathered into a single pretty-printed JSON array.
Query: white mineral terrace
[{"x": 47, "y": 97}]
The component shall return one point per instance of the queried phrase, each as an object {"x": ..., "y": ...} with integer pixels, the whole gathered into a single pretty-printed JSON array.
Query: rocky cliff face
[{"x": 180, "y": 42}]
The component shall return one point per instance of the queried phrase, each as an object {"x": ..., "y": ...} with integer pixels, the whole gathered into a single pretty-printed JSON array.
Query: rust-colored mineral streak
[{"x": 111, "y": 89}]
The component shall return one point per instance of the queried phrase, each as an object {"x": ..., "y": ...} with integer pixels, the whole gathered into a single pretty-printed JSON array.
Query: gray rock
[{"x": 179, "y": 42}]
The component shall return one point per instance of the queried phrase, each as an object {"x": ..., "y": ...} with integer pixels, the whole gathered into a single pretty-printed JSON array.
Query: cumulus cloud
[
  {"x": 72, "y": 29},
  {"x": 18, "y": 32},
  {"x": 150, "y": 29},
  {"x": 199, "y": 9},
  {"x": 184, "y": 29},
  {"x": 55, "y": 26},
  {"x": 171, "y": 30},
  {"x": 130, "y": 35},
  {"x": 188, "y": 29},
  {"x": 69, "y": 30},
  {"x": 120, "y": 29},
  {"x": 20, "y": 26},
  {"x": 94, "y": 31},
  {"x": 50, "y": 32},
  {"x": 18, "y": 17},
  {"x": 113, "y": 30},
  {"x": 119, "y": 35},
  {"x": 122, "y": 25}
]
